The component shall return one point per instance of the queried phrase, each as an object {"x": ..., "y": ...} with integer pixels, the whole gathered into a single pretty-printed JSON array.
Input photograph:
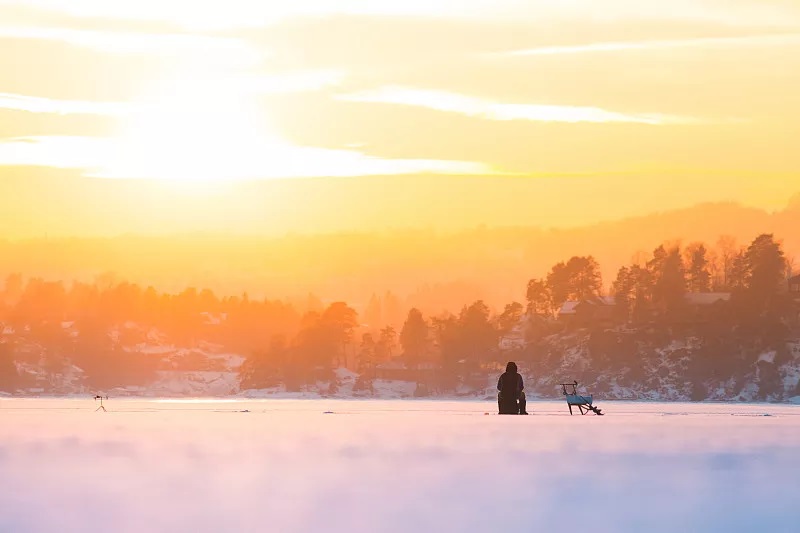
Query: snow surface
[{"x": 395, "y": 466}]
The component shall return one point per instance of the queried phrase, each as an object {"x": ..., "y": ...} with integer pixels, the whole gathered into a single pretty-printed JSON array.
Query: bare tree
[{"x": 727, "y": 250}]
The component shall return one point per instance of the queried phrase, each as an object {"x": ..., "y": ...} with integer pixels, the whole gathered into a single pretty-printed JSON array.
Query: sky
[{"x": 648, "y": 105}]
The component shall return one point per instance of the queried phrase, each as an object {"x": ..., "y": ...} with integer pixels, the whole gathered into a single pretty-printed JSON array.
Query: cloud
[
  {"x": 296, "y": 81},
  {"x": 621, "y": 46},
  {"x": 289, "y": 82},
  {"x": 255, "y": 13},
  {"x": 54, "y": 151},
  {"x": 122, "y": 42},
  {"x": 476, "y": 107},
  {"x": 260, "y": 158},
  {"x": 35, "y": 104}
]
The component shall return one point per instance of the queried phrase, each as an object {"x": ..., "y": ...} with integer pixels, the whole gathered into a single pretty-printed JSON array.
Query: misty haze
[{"x": 276, "y": 266}]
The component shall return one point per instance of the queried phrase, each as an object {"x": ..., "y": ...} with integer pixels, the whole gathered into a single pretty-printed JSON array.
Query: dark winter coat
[{"x": 510, "y": 383}]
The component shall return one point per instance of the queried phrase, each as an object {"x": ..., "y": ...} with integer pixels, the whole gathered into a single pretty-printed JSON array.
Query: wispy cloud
[
  {"x": 110, "y": 158},
  {"x": 54, "y": 151},
  {"x": 124, "y": 42},
  {"x": 249, "y": 84},
  {"x": 35, "y": 104},
  {"x": 251, "y": 13},
  {"x": 479, "y": 108},
  {"x": 139, "y": 43},
  {"x": 622, "y": 46},
  {"x": 241, "y": 86}
]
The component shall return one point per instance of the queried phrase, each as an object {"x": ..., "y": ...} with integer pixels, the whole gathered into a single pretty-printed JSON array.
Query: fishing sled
[{"x": 582, "y": 402}]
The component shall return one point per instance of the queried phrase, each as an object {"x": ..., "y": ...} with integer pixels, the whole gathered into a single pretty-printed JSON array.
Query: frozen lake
[{"x": 395, "y": 466}]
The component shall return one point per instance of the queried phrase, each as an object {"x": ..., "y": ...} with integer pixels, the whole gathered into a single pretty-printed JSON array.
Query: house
[
  {"x": 793, "y": 284},
  {"x": 568, "y": 310},
  {"x": 703, "y": 306},
  {"x": 514, "y": 339},
  {"x": 794, "y": 287},
  {"x": 392, "y": 370},
  {"x": 703, "y": 299},
  {"x": 512, "y": 342},
  {"x": 590, "y": 312},
  {"x": 398, "y": 371}
]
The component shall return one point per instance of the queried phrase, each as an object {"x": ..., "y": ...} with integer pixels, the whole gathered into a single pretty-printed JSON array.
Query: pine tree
[
  {"x": 477, "y": 333},
  {"x": 727, "y": 250},
  {"x": 766, "y": 266},
  {"x": 622, "y": 289},
  {"x": 539, "y": 299},
  {"x": 387, "y": 343},
  {"x": 698, "y": 272},
  {"x": 509, "y": 318},
  {"x": 414, "y": 337},
  {"x": 577, "y": 279},
  {"x": 669, "y": 283},
  {"x": 366, "y": 353}
]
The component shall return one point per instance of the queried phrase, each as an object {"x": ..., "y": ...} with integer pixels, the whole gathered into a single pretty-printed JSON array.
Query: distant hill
[{"x": 425, "y": 268}]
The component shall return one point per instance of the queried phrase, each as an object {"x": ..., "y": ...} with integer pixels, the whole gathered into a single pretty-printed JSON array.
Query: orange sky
[{"x": 144, "y": 116}]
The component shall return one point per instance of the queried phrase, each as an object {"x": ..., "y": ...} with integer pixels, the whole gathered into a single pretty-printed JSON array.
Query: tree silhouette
[
  {"x": 634, "y": 292},
  {"x": 387, "y": 342},
  {"x": 367, "y": 353},
  {"x": 478, "y": 334},
  {"x": 315, "y": 346},
  {"x": 586, "y": 281},
  {"x": 727, "y": 250},
  {"x": 577, "y": 279},
  {"x": 766, "y": 266},
  {"x": 539, "y": 299},
  {"x": 509, "y": 318},
  {"x": 414, "y": 338},
  {"x": 643, "y": 292},
  {"x": 669, "y": 282},
  {"x": 324, "y": 336},
  {"x": 104, "y": 363},
  {"x": 448, "y": 337},
  {"x": 339, "y": 321},
  {"x": 558, "y": 284},
  {"x": 622, "y": 289},
  {"x": 738, "y": 277},
  {"x": 265, "y": 368},
  {"x": 699, "y": 277}
]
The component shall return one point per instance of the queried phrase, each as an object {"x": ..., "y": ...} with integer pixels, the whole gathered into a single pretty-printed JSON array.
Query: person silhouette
[{"x": 511, "y": 396}]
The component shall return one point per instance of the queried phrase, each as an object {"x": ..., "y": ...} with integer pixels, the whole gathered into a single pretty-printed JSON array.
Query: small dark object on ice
[
  {"x": 101, "y": 398},
  {"x": 583, "y": 403},
  {"x": 327, "y": 412}
]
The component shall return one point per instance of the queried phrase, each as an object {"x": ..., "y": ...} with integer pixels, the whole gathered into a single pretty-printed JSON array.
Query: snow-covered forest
[{"x": 683, "y": 323}]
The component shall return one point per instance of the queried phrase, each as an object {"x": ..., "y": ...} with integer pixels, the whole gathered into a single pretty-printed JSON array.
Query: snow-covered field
[{"x": 395, "y": 466}]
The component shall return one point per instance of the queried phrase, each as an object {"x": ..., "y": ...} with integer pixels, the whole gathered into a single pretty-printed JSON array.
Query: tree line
[
  {"x": 94, "y": 326},
  {"x": 657, "y": 283},
  {"x": 284, "y": 346}
]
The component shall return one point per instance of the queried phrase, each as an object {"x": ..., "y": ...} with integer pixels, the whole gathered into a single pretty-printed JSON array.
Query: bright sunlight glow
[
  {"x": 204, "y": 131},
  {"x": 190, "y": 130}
]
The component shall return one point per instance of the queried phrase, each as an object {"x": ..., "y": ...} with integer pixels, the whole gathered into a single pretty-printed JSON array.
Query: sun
[
  {"x": 191, "y": 131},
  {"x": 195, "y": 131}
]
